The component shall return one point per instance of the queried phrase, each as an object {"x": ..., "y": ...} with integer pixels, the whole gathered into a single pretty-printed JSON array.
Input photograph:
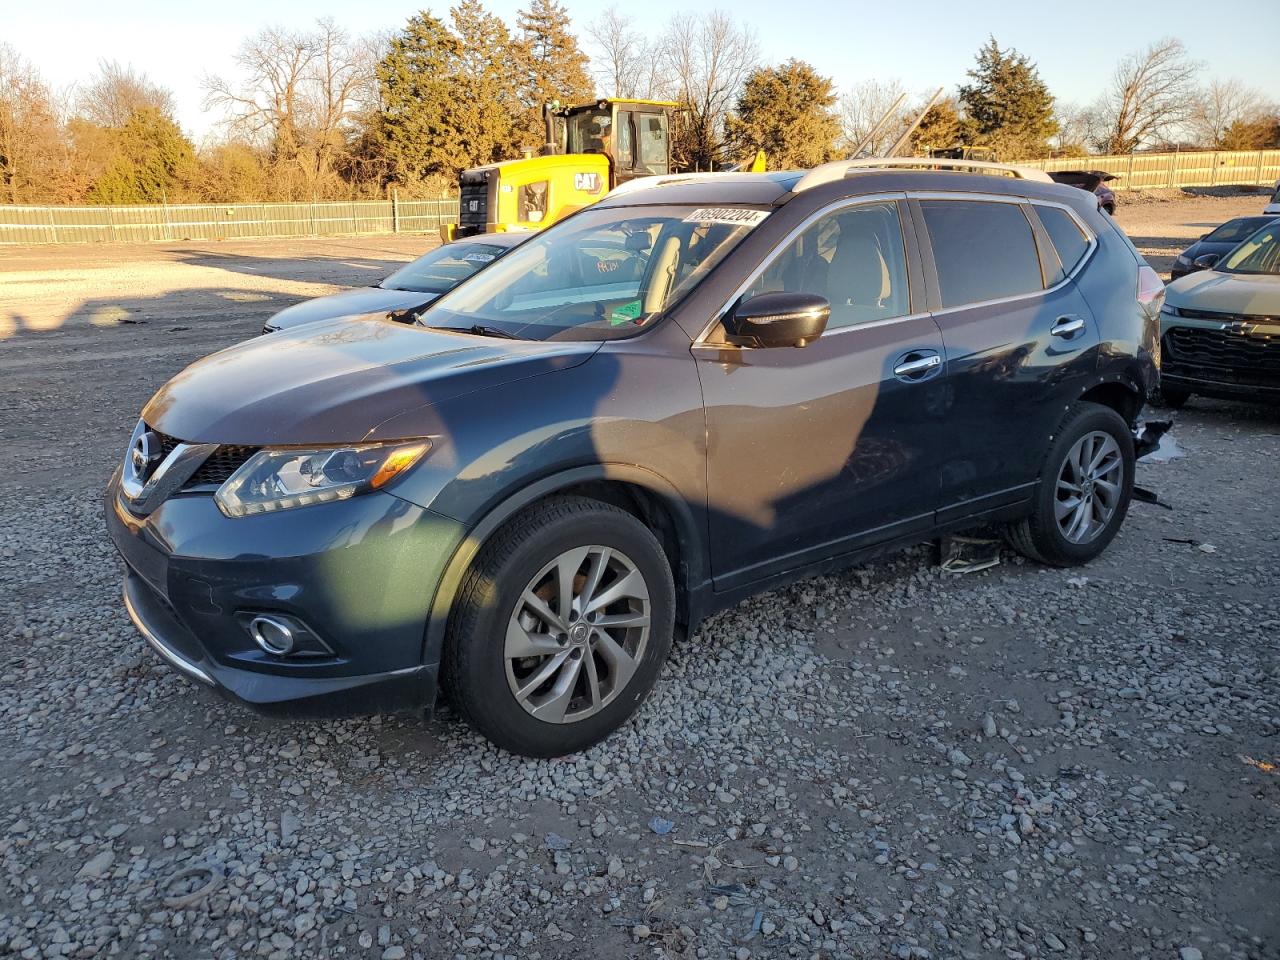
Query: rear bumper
[{"x": 359, "y": 574}]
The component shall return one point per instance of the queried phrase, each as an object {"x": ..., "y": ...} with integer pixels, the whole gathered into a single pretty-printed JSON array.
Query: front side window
[
  {"x": 983, "y": 250},
  {"x": 854, "y": 257},
  {"x": 443, "y": 268},
  {"x": 1259, "y": 254},
  {"x": 604, "y": 273},
  {"x": 1068, "y": 239},
  {"x": 653, "y": 135}
]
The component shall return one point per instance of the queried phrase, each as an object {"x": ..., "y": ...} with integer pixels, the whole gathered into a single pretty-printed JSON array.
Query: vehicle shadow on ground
[
  {"x": 333, "y": 268},
  {"x": 200, "y": 307}
]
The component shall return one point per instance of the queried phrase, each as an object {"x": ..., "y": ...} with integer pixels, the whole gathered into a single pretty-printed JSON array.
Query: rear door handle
[
  {"x": 1067, "y": 326},
  {"x": 915, "y": 366}
]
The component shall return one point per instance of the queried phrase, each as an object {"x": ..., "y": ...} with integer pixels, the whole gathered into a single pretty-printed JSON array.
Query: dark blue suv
[{"x": 688, "y": 393}]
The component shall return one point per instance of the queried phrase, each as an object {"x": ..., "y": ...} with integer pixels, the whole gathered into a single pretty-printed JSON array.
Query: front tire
[
  {"x": 561, "y": 627},
  {"x": 1083, "y": 494}
]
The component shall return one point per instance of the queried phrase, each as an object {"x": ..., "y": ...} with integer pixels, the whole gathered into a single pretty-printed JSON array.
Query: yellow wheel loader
[{"x": 590, "y": 149}]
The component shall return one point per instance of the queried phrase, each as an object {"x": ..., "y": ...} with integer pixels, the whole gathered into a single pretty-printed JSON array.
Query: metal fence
[
  {"x": 1205, "y": 168},
  {"x": 221, "y": 221}
]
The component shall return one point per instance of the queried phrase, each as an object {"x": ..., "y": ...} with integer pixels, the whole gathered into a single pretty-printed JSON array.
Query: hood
[
  {"x": 335, "y": 381},
  {"x": 348, "y": 303},
  {"x": 1242, "y": 293}
]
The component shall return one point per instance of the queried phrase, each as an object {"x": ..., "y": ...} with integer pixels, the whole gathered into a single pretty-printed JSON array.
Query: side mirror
[
  {"x": 1207, "y": 262},
  {"x": 778, "y": 320}
]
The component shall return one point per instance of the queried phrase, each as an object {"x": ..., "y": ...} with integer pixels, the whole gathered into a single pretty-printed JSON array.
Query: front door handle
[
  {"x": 917, "y": 366},
  {"x": 1067, "y": 327}
]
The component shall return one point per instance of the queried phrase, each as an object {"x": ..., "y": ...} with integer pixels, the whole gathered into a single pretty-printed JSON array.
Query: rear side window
[
  {"x": 983, "y": 250},
  {"x": 1067, "y": 238}
]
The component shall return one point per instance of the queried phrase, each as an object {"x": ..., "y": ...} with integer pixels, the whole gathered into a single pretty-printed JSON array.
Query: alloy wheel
[
  {"x": 577, "y": 634},
  {"x": 1089, "y": 487}
]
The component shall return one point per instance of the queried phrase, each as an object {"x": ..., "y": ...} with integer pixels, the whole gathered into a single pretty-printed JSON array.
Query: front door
[{"x": 815, "y": 451}]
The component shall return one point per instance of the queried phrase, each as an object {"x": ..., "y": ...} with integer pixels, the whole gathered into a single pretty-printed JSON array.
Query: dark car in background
[
  {"x": 1220, "y": 327},
  {"x": 1212, "y": 246},
  {"x": 1094, "y": 181},
  {"x": 411, "y": 288},
  {"x": 668, "y": 401}
]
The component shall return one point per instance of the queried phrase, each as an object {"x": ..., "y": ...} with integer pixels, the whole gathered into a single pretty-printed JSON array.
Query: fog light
[{"x": 272, "y": 635}]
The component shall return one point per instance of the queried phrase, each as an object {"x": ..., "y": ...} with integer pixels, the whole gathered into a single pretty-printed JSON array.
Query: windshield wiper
[{"x": 481, "y": 330}]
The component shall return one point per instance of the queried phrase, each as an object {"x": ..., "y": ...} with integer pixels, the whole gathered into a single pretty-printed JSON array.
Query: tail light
[{"x": 1150, "y": 292}]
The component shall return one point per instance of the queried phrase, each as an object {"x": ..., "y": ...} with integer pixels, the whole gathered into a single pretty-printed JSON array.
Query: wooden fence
[{"x": 1201, "y": 168}]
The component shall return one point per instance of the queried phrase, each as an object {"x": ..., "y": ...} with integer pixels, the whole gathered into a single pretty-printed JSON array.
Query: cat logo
[{"x": 587, "y": 182}]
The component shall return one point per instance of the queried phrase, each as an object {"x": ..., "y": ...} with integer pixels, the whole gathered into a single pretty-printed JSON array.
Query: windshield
[
  {"x": 443, "y": 268},
  {"x": 1259, "y": 254},
  {"x": 590, "y": 131},
  {"x": 600, "y": 275},
  {"x": 1233, "y": 231}
]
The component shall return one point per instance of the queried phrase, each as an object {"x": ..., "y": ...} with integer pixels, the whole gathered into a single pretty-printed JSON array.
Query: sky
[{"x": 925, "y": 44}]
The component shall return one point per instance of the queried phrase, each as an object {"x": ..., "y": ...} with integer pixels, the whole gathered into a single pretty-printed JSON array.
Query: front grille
[
  {"x": 221, "y": 464},
  {"x": 1239, "y": 355},
  {"x": 473, "y": 202}
]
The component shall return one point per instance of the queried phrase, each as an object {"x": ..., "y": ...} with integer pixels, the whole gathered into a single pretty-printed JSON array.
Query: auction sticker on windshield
[{"x": 730, "y": 215}]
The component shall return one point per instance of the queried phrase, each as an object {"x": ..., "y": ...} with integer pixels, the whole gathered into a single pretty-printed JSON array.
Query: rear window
[
  {"x": 1068, "y": 239},
  {"x": 983, "y": 250}
]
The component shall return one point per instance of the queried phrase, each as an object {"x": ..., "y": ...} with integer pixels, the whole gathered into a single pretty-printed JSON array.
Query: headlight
[
  {"x": 1169, "y": 310},
  {"x": 273, "y": 480}
]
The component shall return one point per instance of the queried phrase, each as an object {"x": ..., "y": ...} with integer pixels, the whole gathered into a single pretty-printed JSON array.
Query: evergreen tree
[
  {"x": 153, "y": 162},
  {"x": 943, "y": 126},
  {"x": 486, "y": 85},
  {"x": 553, "y": 66},
  {"x": 787, "y": 111},
  {"x": 416, "y": 85},
  {"x": 1010, "y": 106}
]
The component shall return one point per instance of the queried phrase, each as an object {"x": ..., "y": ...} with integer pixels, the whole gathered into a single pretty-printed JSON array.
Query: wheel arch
[
  {"x": 649, "y": 497},
  {"x": 1120, "y": 394}
]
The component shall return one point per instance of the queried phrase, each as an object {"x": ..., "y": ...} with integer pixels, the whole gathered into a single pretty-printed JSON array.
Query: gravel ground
[{"x": 889, "y": 762}]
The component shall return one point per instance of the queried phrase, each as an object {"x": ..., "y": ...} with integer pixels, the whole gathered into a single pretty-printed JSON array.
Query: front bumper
[
  {"x": 1213, "y": 359},
  {"x": 360, "y": 574}
]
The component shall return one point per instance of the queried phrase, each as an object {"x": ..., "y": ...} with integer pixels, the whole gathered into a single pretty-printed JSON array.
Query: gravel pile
[{"x": 887, "y": 762}]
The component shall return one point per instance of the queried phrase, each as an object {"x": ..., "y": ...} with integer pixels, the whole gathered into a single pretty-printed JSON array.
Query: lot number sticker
[{"x": 728, "y": 215}]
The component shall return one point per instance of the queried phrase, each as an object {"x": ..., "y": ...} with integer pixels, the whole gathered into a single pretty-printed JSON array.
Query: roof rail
[{"x": 839, "y": 169}]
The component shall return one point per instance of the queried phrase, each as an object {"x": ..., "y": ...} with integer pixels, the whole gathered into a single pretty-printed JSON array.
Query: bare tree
[
  {"x": 1074, "y": 129},
  {"x": 617, "y": 54},
  {"x": 1152, "y": 92},
  {"x": 32, "y": 152},
  {"x": 117, "y": 92},
  {"x": 300, "y": 95},
  {"x": 1221, "y": 104},
  {"x": 863, "y": 106},
  {"x": 707, "y": 57}
]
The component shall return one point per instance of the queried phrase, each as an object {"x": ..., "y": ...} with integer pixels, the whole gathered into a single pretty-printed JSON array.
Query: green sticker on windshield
[{"x": 626, "y": 313}]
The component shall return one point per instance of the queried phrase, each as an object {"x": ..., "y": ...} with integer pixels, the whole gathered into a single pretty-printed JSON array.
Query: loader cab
[{"x": 635, "y": 135}]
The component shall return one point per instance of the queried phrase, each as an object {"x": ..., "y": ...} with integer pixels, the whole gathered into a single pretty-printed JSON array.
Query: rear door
[
  {"x": 1019, "y": 339},
  {"x": 815, "y": 451}
]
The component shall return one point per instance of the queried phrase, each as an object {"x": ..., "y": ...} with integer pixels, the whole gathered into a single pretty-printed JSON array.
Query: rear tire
[
  {"x": 1084, "y": 490},
  {"x": 1173, "y": 398},
  {"x": 561, "y": 627}
]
